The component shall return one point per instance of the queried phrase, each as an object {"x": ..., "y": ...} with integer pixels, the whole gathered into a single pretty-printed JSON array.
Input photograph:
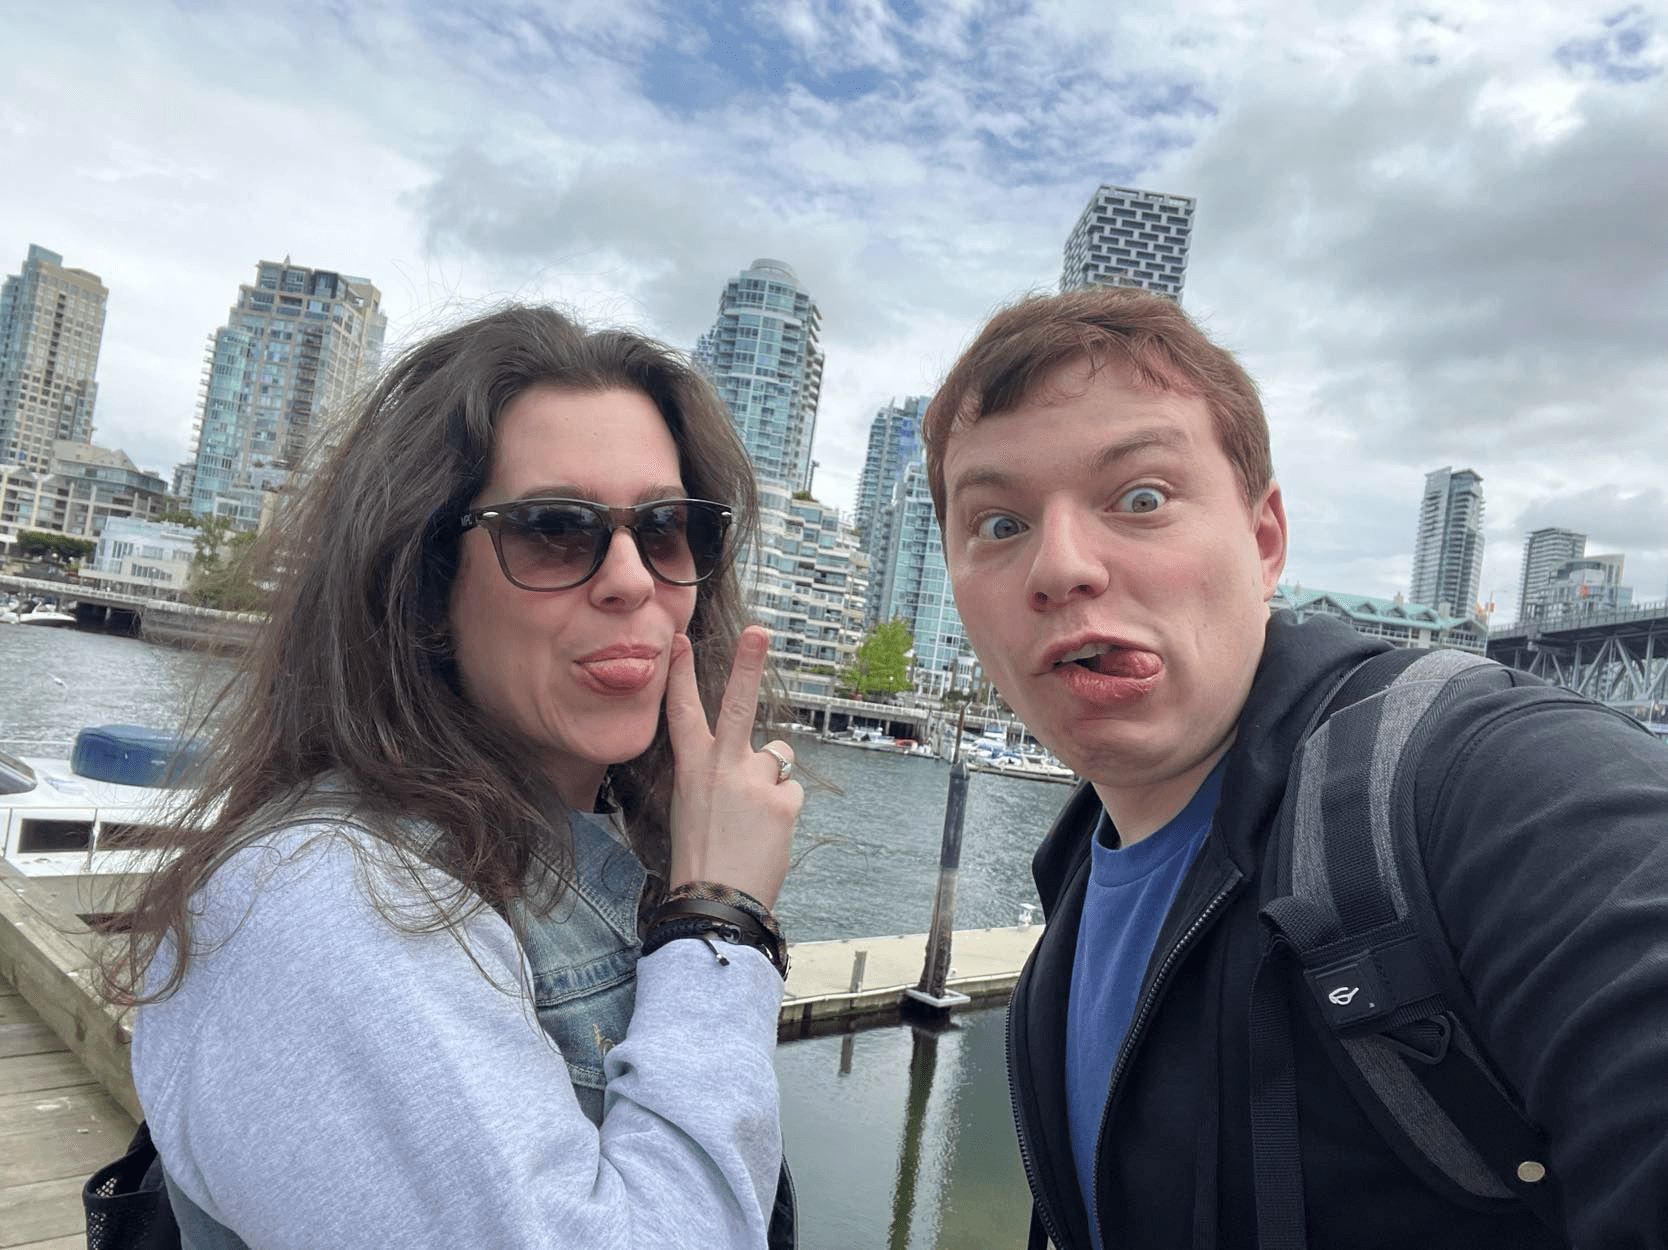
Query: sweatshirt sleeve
[
  {"x": 1547, "y": 852},
  {"x": 322, "y": 1078}
]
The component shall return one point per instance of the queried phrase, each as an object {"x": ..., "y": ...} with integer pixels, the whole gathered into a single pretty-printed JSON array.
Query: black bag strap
[
  {"x": 126, "y": 1202},
  {"x": 1344, "y": 895}
]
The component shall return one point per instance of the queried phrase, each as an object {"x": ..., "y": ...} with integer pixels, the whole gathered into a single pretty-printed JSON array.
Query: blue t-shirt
[{"x": 1130, "y": 892}]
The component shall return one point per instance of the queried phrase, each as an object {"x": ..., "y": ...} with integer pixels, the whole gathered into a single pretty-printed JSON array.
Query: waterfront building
[
  {"x": 894, "y": 438},
  {"x": 296, "y": 347},
  {"x": 1448, "y": 548},
  {"x": 916, "y": 586},
  {"x": 1130, "y": 237},
  {"x": 84, "y": 490},
  {"x": 1544, "y": 553},
  {"x": 144, "y": 557},
  {"x": 51, "y": 325},
  {"x": 806, "y": 582},
  {"x": 1396, "y": 620},
  {"x": 1578, "y": 587},
  {"x": 763, "y": 357}
]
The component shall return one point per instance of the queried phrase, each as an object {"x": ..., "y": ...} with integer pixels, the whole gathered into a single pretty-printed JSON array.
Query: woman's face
[{"x": 577, "y": 673}]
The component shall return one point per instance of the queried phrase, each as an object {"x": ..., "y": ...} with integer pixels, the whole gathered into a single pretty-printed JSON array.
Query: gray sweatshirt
[{"x": 322, "y": 1078}]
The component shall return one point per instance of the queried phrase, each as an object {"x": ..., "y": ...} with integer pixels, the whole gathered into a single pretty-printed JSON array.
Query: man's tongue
[{"x": 1124, "y": 663}]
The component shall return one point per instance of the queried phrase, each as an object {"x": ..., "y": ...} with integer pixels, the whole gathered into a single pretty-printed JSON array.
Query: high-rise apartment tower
[
  {"x": 1545, "y": 551},
  {"x": 1128, "y": 237},
  {"x": 762, "y": 354},
  {"x": 1448, "y": 548},
  {"x": 894, "y": 441},
  {"x": 51, "y": 324},
  {"x": 296, "y": 347},
  {"x": 914, "y": 584},
  {"x": 894, "y": 436}
]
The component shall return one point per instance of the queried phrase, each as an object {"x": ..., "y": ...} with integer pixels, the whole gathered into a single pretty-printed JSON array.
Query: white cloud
[{"x": 1435, "y": 234}]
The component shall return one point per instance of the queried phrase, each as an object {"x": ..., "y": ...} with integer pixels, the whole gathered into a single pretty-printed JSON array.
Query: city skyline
[{"x": 1374, "y": 198}]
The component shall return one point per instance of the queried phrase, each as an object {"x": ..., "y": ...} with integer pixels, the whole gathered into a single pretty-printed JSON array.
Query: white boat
[
  {"x": 58, "y": 824},
  {"x": 43, "y": 613},
  {"x": 874, "y": 740},
  {"x": 1033, "y": 766}
]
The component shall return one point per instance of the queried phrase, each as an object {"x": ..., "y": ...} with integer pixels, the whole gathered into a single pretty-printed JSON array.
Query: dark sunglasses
[{"x": 556, "y": 544}]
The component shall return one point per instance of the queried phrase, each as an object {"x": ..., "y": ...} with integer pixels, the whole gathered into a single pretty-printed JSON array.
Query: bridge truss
[{"x": 1617, "y": 658}]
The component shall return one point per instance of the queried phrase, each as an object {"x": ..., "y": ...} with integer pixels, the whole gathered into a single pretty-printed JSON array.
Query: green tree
[
  {"x": 881, "y": 665},
  {"x": 179, "y": 516},
  {"x": 57, "y": 548},
  {"x": 221, "y": 576}
]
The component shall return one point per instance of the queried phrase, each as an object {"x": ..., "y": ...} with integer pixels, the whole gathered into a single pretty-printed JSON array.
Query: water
[
  {"x": 56, "y": 681},
  {"x": 898, "y": 1137}
]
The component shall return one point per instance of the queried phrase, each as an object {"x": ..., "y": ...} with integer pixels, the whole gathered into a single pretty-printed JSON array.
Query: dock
[
  {"x": 67, "y": 1104},
  {"x": 859, "y": 981},
  {"x": 57, "y": 1124}
]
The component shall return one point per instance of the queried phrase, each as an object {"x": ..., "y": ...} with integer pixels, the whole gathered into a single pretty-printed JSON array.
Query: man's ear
[{"x": 1268, "y": 527}]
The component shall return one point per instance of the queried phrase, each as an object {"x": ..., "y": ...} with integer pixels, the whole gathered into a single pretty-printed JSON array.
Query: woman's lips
[{"x": 618, "y": 670}]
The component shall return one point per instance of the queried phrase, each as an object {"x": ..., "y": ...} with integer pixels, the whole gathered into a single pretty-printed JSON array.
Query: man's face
[{"x": 1110, "y": 574}]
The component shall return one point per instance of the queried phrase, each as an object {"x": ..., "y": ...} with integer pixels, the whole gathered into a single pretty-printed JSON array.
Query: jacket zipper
[
  {"x": 1143, "y": 1010},
  {"x": 1026, "y": 1160}
]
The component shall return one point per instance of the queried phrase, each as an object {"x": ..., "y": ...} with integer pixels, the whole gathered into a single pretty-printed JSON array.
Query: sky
[{"x": 1435, "y": 233}]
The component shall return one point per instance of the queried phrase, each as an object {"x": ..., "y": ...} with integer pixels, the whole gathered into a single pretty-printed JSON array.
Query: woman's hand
[{"x": 732, "y": 820}]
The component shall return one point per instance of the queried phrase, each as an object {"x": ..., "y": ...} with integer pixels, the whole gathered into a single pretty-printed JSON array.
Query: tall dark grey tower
[
  {"x": 762, "y": 355},
  {"x": 1128, "y": 237},
  {"x": 1448, "y": 549},
  {"x": 51, "y": 325}
]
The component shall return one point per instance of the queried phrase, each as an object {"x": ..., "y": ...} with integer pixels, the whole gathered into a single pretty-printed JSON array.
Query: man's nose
[{"x": 1069, "y": 563}]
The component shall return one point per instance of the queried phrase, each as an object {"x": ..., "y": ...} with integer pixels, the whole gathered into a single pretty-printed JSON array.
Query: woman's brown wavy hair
[{"x": 354, "y": 673}]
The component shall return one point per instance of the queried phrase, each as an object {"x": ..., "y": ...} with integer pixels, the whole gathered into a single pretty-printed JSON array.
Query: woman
[{"x": 392, "y": 990}]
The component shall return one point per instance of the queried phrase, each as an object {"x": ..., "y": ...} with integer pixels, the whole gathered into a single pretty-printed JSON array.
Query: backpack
[{"x": 1345, "y": 897}]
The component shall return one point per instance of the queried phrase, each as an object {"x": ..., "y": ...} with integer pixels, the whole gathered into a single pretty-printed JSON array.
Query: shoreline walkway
[{"x": 57, "y": 1124}]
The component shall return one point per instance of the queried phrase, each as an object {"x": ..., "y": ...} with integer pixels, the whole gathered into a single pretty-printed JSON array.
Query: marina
[{"x": 898, "y": 1133}]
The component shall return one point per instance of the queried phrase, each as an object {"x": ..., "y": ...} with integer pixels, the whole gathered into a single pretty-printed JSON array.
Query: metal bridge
[{"x": 1618, "y": 657}]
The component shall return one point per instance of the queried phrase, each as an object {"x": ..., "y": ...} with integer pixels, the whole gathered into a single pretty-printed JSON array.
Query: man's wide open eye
[
  {"x": 997, "y": 526},
  {"x": 1141, "y": 499}
]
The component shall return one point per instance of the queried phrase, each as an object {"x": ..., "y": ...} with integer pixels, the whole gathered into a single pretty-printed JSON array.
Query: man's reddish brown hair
[{"x": 1150, "y": 336}]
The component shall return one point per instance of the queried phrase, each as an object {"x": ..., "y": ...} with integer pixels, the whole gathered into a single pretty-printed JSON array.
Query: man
[{"x": 1114, "y": 533}]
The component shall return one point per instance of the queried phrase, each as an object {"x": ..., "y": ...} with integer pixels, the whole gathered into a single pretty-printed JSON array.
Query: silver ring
[{"x": 784, "y": 765}]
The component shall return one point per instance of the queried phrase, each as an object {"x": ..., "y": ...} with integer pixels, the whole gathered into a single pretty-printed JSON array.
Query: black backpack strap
[
  {"x": 126, "y": 1202},
  {"x": 1344, "y": 894}
]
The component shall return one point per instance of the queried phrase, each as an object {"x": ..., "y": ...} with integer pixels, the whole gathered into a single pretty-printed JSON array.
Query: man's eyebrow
[
  {"x": 997, "y": 478},
  {"x": 1166, "y": 436}
]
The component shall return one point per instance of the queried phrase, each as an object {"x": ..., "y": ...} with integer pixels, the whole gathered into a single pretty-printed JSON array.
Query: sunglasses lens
[
  {"x": 705, "y": 534},
  {"x": 683, "y": 539},
  {"x": 549, "y": 546},
  {"x": 663, "y": 532}
]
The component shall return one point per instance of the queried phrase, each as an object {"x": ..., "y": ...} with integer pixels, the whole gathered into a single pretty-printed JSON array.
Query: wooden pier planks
[{"x": 57, "y": 1124}]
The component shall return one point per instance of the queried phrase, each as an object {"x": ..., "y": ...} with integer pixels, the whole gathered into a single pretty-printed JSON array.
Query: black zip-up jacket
[{"x": 1543, "y": 820}]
